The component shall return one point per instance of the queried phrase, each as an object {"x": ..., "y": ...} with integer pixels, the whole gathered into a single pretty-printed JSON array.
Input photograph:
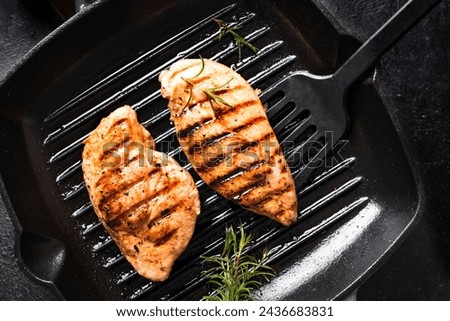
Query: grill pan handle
[
  {"x": 380, "y": 42},
  {"x": 43, "y": 256}
]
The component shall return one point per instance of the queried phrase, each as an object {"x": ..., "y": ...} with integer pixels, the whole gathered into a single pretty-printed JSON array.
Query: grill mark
[
  {"x": 124, "y": 188},
  {"x": 197, "y": 80},
  {"x": 211, "y": 163},
  {"x": 211, "y": 140},
  {"x": 116, "y": 169},
  {"x": 259, "y": 202},
  {"x": 189, "y": 131},
  {"x": 166, "y": 190},
  {"x": 247, "y": 103},
  {"x": 119, "y": 122},
  {"x": 235, "y": 173},
  {"x": 106, "y": 177},
  {"x": 216, "y": 161},
  {"x": 224, "y": 112},
  {"x": 257, "y": 180},
  {"x": 237, "y": 197},
  {"x": 237, "y": 87},
  {"x": 131, "y": 160},
  {"x": 113, "y": 149},
  {"x": 208, "y": 142},
  {"x": 165, "y": 237},
  {"x": 250, "y": 123},
  {"x": 247, "y": 145},
  {"x": 281, "y": 212},
  {"x": 162, "y": 215},
  {"x": 214, "y": 139}
]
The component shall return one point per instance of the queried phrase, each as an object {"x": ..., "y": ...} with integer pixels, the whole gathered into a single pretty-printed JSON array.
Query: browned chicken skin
[
  {"x": 146, "y": 201},
  {"x": 223, "y": 129}
]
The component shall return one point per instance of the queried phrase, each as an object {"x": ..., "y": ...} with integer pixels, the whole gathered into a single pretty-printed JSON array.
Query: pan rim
[{"x": 75, "y": 19}]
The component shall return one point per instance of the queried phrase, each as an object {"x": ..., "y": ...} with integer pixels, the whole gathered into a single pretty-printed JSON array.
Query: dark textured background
[{"x": 414, "y": 83}]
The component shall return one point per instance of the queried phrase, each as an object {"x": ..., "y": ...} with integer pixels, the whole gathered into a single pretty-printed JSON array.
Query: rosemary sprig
[
  {"x": 241, "y": 41},
  {"x": 211, "y": 93},
  {"x": 235, "y": 274},
  {"x": 190, "y": 82},
  {"x": 225, "y": 28}
]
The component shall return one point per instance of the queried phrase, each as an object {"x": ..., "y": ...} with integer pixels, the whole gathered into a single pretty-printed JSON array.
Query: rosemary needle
[
  {"x": 224, "y": 28},
  {"x": 234, "y": 273},
  {"x": 189, "y": 81},
  {"x": 210, "y": 92}
]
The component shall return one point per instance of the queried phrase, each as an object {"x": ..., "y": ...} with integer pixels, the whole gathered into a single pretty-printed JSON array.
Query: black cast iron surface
[{"x": 421, "y": 135}]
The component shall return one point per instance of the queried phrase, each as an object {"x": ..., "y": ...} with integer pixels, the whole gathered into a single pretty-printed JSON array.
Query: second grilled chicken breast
[
  {"x": 223, "y": 129},
  {"x": 145, "y": 200}
]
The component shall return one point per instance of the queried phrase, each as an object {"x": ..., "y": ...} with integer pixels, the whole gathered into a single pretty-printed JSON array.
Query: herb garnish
[
  {"x": 190, "y": 82},
  {"x": 235, "y": 273},
  {"x": 210, "y": 92},
  {"x": 225, "y": 28}
]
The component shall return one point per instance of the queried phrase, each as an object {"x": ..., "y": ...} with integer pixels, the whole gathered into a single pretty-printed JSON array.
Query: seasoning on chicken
[
  {"x": 223, "y": 129},
  {"x": 146, "y": 201}
]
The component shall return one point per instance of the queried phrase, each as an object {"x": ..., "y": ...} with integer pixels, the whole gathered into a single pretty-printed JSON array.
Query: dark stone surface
[
  {"x": 413, "y": 80},
  {"x": 414, "y": 83},
  {"x": 21, "y": 26}
]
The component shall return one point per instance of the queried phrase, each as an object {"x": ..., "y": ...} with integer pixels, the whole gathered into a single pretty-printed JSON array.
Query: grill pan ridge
[{"x": 342, "y": 196}]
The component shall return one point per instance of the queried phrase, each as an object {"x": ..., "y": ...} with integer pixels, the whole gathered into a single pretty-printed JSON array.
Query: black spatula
[{"x": 317, "y": 104}]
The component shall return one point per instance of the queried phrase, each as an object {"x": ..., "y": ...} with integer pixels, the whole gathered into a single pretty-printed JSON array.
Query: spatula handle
[{"x": 380, "y": 42}]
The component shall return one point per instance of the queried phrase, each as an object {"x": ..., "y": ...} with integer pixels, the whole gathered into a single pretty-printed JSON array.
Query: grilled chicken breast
[
  {"x": 146, "y": 201},
  {"x": 223, "y": 129}
]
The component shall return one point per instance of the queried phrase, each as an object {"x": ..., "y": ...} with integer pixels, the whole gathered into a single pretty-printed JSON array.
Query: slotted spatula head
[
  {"x": 311, "y": 110},
  {"x": 313, "y": 118}
]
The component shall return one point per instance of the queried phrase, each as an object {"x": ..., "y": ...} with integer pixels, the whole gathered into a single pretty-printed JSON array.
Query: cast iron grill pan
[{"x": 340, "y": 204}]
